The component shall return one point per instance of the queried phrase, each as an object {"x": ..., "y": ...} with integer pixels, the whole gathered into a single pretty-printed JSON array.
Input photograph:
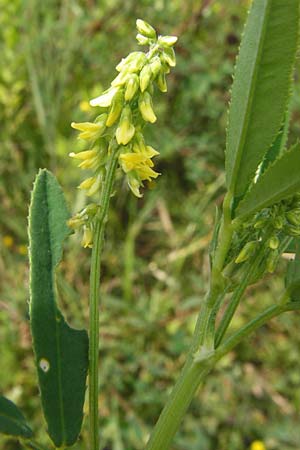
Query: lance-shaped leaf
[
  {"x": 12, "y": 421},
  {"x": 293, "y": 274},
  {"x": 61, "y": 352},
  {"x": 280, "y": 180},
  {"x": 261, "y": 88}
]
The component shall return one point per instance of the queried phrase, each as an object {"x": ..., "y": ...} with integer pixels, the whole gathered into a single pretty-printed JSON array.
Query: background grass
[{"x": 55, "y": 56}]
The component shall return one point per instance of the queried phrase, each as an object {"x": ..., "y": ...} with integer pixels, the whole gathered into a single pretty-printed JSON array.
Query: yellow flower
[
  {"x": 146, "y": 173},
  {"x": 131, "y": 87},
  {"x": 257, "y": 445},
  {"x": 87, "y": 239},
  {"x": 145, "y": 107},
  {"x": 84, "y": 106},
  {"x": 131, "y": 161},
  {"x": 105, "y": 98},
  {"x": 115, "y": 109},
  {"x": 8, "y": 241},
  {"x": 22, "y": 249},
  {"x": 145, "y": 77},
  {"x": 90, "y": 130},
  {"x": 126, "y": 129},
  {"x": 87, "y": 154}
]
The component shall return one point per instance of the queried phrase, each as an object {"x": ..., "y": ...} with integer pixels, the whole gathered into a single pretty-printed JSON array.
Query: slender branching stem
[
  {"x": 195, "y": 372},
  {"x": 94, "y": 301}
]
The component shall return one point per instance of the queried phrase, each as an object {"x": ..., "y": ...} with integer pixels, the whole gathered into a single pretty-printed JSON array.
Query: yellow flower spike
[
  {"x": 87, "y": 154},
  {"x": 145, "y": 77},
  {"x": 131, "y": 87},
  {"x": 95, "y": 186},
  {"x": 145, "y": 107},
  {"x": 115, "y": 109},
  {"x": 145, "y": 29},
  {"x": 87, "y": 184},
  {"x": 105, "y": 99},
  {"x": 155, "y": 65},
  {"x": 125, "y": 130},
  {"x": 87, "y": 239}
]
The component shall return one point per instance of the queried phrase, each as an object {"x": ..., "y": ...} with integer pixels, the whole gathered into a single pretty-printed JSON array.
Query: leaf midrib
[{"x": 58, "y": 347}]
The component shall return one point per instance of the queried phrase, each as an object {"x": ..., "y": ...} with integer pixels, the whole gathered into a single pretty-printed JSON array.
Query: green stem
[
  {"x": 204, "y": 332},
  {"x": 254, "y": 324},
  {"x": 176, "y": 406},
  {"x": 237, "y": 295},
  {"x": 195, "y": 372},
  {"x": 94, "y": 302}
]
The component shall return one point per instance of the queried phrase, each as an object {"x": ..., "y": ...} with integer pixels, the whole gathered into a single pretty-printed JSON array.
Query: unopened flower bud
[
  {"x": 142, "y": 40},
  {"x": 161, "y": 82},
  {"x": 169, "y": 56},
  {"x": 294, "y": 217},
  {"x": 155, "y": 65},
  {"x": 246, "y": 252},
  {"x": 87, "y": 239},
  {"x": 125, "y": 130},
  {"x": 278, "y": 222},
  {"x": 145, "y": 28},
  {"x": 292, "y": 230},
  {"x": 260, "y": 224},
  {"x": 137, "y": 63},
  {"x": 167, "y": 41},
  {"x": 145, "y": 77},
  {"x": 134, "y": 184},
  {"x": 115, "y": 109},
  {"x": 273, "y": 242},
  {"x": 131, "y": 87},
  {"x": 95, "y": 187},
  {"x": 121, "y": 78},
  {"x": 145, "y": 107}
]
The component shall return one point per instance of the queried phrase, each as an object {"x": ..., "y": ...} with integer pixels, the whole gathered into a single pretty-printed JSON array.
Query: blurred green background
[{"x": 55, "y": 56}]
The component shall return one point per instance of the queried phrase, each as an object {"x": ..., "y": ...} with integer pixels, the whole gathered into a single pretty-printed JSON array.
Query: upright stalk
[{"x": 94, "y": 302}]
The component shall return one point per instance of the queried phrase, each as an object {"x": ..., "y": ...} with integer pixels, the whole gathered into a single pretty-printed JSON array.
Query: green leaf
[
  {"x": 277, "y": 147},
  {"x": 260, "y": 92},
  {"x": 280, "y": 180},
  {"x": 12, "y": 421},
  {"x": 61, "y": 352},
  {"x": 293, "y": 274}
]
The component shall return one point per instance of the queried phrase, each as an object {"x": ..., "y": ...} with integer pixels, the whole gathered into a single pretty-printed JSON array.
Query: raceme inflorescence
[{"x": 126, "y": 107}]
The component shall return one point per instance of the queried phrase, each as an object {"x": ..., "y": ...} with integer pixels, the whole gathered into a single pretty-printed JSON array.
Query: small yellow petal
[
  {"x": 86, "y": 184},
  {"x": 105, "y": 98},
  {"x": 87, "y": 154}
]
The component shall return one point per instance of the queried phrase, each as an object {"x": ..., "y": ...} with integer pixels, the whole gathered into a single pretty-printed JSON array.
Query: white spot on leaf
[{"x": 44, "y": 364}]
